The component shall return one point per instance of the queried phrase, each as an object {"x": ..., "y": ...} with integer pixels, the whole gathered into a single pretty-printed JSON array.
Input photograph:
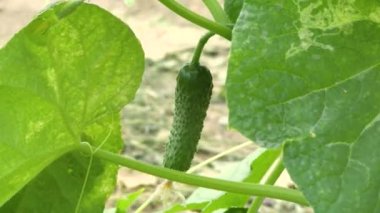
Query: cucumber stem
[
  {"x": 198, "y": 50},
  {"x": 198, "y": 19},
  {"x": 195, "y": 180}
]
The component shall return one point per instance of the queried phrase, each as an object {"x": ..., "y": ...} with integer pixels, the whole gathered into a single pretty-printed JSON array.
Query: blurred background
[{"x": 168, "y": 42}]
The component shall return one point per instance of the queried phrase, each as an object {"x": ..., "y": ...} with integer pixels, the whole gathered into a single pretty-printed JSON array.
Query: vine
[{"x": 195, "y": 180}]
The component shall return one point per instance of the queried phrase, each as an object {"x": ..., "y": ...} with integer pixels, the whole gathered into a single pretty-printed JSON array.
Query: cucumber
[{"x": 192, "y": 98}]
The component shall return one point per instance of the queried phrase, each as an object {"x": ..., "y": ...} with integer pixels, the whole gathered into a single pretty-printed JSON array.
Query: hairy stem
[
  {"x": 197, "y": 19},
  {"x": 195, "y": 180}
]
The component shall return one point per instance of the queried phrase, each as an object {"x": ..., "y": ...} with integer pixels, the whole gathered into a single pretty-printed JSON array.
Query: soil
[{"x": 168, "y": 41}]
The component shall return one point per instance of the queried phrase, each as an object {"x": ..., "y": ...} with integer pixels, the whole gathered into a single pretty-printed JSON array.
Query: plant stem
[
  {"x": 198, "y": 50},
  {"x": 195, "y": 180},
  {"x": 278, "y": 167},
  {"x": 79, "y": 202},
  {"x": 217, "y": 11},
  {"x": 197, "y": 19},
  {"x": 69, "y": 7}
]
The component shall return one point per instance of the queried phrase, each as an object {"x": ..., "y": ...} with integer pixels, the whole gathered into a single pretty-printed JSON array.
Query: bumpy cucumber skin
[{"x": 192, "y": 98}]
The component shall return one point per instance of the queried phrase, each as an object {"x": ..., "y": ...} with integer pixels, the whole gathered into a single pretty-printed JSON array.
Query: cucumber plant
[{"x": 302, "y": 82}]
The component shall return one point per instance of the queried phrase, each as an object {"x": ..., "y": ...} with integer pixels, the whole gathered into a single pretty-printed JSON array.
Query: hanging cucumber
[{"x": 192, "y": 98}]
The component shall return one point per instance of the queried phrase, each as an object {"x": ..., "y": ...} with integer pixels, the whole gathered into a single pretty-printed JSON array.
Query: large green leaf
[
  {"x": 58, "y": 187},
  {"x": 31, "y": 138},
  {"x": 307, "y": 73},
  {"x": 87, "y": 64}
]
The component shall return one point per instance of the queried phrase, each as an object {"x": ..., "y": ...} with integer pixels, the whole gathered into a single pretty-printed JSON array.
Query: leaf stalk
[
  {"x": 195, "y": 180},
  {"x": 198, "y": 19}
]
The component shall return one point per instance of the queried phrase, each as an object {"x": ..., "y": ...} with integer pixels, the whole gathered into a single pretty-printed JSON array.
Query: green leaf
[
  {"x": 123, "y": 204},
  {"x": 59, "y": 186},
  {"x": 307, "y": 74},
  {"x": 236, "y": 210},
  {"x": 184, "y": 207},
  {"x": 24, "y": 130},
  {"x": 233, "y": 8},
  {"x": 251, "y": 169},
  {"x": 87, "y": 64}
]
